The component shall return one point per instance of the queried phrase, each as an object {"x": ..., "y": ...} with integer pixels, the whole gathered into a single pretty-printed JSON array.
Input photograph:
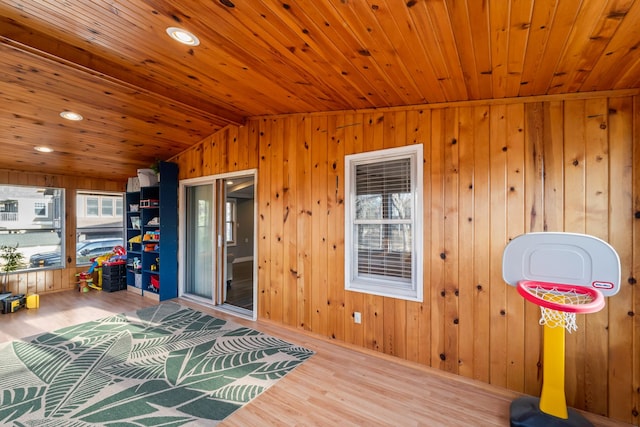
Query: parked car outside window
[{"x": 85, "y": 251}]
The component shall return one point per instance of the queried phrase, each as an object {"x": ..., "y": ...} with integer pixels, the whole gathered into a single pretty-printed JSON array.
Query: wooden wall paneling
[
  {"x": 498, "y": 339},
  {"x": 536, "y": 124},
  {"x": 186, "y": 160},
  {"x": 634, "y": 276},
  {"x": 373, "y": 316},
  {"x": 451, "y": 233},
  {"x": 48, "y": 281},
  {"x": 481, "y": 244},
  {"x": 276, "y": 235},
  {"x": 553, "y": 213},
  {"x": 466, "y": 287},
  {"x": 597, "y": 224},
  {"x": 205, "y": 151},
  {"x": 560, "y": 164},
  {"x": 319, "y": 224},
  {"x": 304, "y": 207},
  {"x": 264, "y": 219},
  {"x": 394, "y": 309},
  {"x": 219, "y": 152},
  {"x": 517, "y": 217},
  {"x": 233, "y": 159},
  {"x": 621, "y": 306},
  {"x": 31, "y": 283},
  {"x": 335, "y": 232},
  {"x": 575, "y": 222},
  {"x": 212, "y": 143},
  {"x": 437, "y": 251},
  {"x": 40, "y": 282},
  {"x": 289, "y": 223},
  {"x": 419, "y": 132},
  {"x": 253, "y": 144},
  {"x": 402, "y": 324},
  {"x": 244, "y": 150},
  {"x": 354, "y": 301},
  {"x": 225, "y": 150}
]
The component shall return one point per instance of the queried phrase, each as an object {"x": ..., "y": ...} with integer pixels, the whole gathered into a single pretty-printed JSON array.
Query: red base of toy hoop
[{"x": 595, "y": 301}]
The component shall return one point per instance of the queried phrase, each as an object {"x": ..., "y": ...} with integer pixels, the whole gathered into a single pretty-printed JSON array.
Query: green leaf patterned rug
[{"x": 166, "y": 365}]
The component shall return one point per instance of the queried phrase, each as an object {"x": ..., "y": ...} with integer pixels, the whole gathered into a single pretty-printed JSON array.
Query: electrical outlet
[{"x": 357, "y": 317}]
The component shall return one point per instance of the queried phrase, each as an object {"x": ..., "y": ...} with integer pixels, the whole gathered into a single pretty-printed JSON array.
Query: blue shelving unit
[{"x": 156, "y": 275}]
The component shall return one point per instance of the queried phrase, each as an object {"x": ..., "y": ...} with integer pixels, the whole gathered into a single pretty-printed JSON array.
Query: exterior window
[
  {"x": 8, "y": 210},
  {"x": 383, "y": 223},
  {"x": 40, "y": 209},
  {"x": 92, "y": 206},
  {"x": 107, "y": 206},
  {"x": 31, "y": 218},
  {"x": 100, "y": 224},
  {"x": 230, "y": 222}
]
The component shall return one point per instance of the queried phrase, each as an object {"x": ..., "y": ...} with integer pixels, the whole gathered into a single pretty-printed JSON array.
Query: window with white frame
[
  {"x": 383, "y": 222},
  {"x": 99, "y": 224},
  {"x": 40, "y": 209}
]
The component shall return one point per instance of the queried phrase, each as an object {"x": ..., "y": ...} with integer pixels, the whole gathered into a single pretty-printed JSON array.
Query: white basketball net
[{"x": 556, "y": 318}]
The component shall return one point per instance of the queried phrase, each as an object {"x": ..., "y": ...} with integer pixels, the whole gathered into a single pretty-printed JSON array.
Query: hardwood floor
[{"x": 339, "y": 385}]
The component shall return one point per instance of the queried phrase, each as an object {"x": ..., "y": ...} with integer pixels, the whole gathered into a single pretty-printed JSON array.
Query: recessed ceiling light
[
  {"x": 70, "y": 115},
  {"x": 43, "y": 149},
  {"x": 183, "y": 36}
]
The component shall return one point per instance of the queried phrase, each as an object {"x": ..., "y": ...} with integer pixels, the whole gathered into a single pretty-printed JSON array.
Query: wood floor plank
[{"x": 340, "y": 385}]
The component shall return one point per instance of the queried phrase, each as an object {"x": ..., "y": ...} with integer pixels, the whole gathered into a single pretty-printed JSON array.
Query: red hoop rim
[{"x": 595, "y": 305}]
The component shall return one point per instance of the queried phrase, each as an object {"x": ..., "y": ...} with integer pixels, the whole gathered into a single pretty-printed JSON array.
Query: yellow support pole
[{"x": 552, "y": 399}]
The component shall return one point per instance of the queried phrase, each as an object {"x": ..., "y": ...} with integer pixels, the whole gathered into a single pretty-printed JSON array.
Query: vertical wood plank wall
[
  {"x": 43, "y": 281},
  {"x": 492, "y": 171}
]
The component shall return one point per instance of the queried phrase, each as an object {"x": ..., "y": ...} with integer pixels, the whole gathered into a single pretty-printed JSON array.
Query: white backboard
[{"x": 567, "y": 258}]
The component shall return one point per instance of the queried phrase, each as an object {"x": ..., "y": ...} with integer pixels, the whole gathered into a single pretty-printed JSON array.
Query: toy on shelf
[
  {"x": 151, "y": 236},
  {"x": 149, "y": 203},
  {"x": 154, "y": 283}
]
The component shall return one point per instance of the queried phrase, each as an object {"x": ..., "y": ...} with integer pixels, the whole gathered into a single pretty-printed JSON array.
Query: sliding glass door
[{"x": 218, "y": 241}]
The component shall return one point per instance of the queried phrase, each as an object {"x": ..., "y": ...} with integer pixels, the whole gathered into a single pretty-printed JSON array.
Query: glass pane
[
  {"x": 92, "y": 206},
  {"x": 98, "y": 230},
  {"x": 368, "y": 206},
  {"x": 199, "y": 257},
  {"x": 383, "y": 190},
  {"x": 400, "y": 205},
  {"x": 31, "y": 220},
  {"x": 40, "y": 209},
  {"x": 384, "y": 250},
  {"x": 107, "y": 206}
]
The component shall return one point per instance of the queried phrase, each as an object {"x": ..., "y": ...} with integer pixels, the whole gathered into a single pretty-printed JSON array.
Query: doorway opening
[{"x": 218, "y": 242}]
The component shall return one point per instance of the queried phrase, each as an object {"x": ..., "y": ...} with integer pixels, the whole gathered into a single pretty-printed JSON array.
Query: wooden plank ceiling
[{"x": 145, "y": 97}]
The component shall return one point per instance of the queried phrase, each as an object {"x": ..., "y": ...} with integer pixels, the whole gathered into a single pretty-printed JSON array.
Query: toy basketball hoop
[
  {"x": 565, "y": 274},
  {"x": 559, "y": 303}
]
